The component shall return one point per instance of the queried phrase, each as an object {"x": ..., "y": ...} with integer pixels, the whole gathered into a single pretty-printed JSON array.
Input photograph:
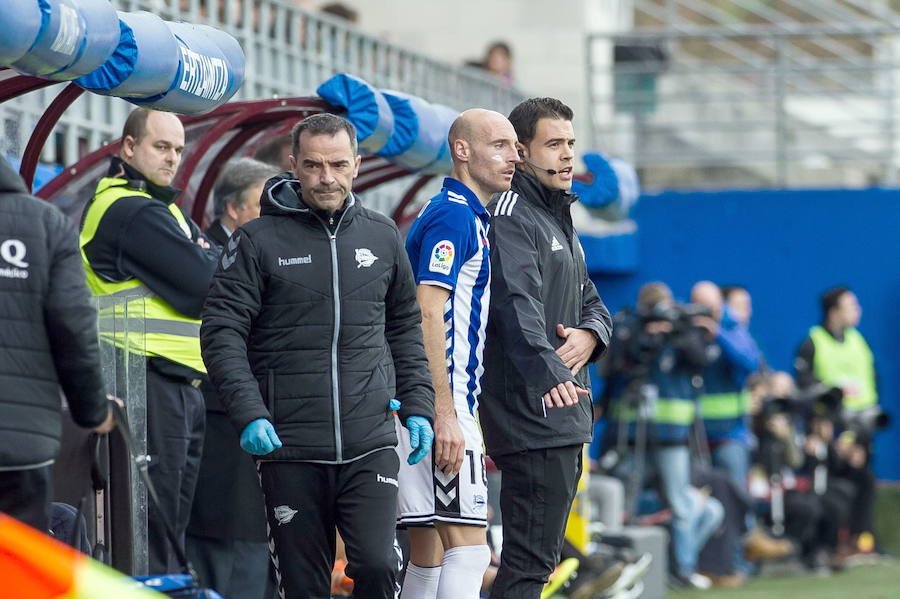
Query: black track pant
[
  {"x": 176, "y": 418},
  {"x": 25, "y": 495},
  {"x": 306, "y": 501},
  {"x": 536, "y": 493}
]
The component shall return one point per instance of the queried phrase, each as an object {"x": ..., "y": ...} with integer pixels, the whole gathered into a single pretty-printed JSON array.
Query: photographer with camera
[
  {"x": 836, "y": 365},
  {"x": 723, "y": 404},
  {"x": 809, "y": 493},
  {"x": 650, "y": 396}
]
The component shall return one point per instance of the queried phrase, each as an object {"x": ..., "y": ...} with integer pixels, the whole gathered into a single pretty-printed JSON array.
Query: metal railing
[
  {"x": 289, "y": 50},
  {"x": 782, "y": 117}
]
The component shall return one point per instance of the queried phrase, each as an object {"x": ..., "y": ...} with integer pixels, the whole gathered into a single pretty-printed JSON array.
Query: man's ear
[
  {"x": 127, "y": 148},
  {"x": 231, "y": 211},
  {"x": 461, "y": 149},
  {"x": 521, "y": 149}
]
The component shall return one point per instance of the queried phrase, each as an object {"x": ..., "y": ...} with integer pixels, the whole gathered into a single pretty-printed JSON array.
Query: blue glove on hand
[
  {"x": 259, "y": 437},
  {"x": 421, "y": 437},
  {"x": 394, "y": 405}
]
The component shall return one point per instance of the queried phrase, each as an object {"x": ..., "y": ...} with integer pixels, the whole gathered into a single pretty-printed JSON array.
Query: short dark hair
[
  {"x": 136, "y": 124},
  {"x": 341, "y": 11},
  {"x": 323, "y": 123},
  {"x": 237, "y": 176},
  {"x": 831, "y": 298},
  {"x": 502, "y": 46},
  {"x": 652, "y": 294},
  {"x": 729, "y": 290},
  {"x": 525, "y": 116}
]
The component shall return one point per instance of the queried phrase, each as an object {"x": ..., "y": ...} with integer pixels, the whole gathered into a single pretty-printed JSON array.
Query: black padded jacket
[
  {"x": 48, "y": 335},
  {"x": 538, "y": 280},
  {"x": 314, "y": 325}
]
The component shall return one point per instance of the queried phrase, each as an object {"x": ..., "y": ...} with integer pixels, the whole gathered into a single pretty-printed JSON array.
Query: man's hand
[
  {"x": 564, "y": 394},
  {"x": 577, "y": 349},
  {"x": 202, "y": 243},
  {"x": 259, "y": 437},
  {"x": 449, "y": 443},
  {"x": 110, "y": 422},
  {"x": 420, "y": 438}
]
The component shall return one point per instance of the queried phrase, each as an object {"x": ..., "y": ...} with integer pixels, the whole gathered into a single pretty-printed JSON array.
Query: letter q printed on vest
[{"x": 442, "y": 257}]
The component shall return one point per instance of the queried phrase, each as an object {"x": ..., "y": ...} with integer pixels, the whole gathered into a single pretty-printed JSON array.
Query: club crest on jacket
[{"x": 365, "y": 258}]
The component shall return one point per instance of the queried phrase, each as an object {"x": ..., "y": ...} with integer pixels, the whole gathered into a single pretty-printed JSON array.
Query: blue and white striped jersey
[{"x": 448, "y": 247}]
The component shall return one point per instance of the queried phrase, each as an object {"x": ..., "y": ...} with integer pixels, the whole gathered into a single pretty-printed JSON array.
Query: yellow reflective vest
[
  {"x": 848, "y": 364},
  {"x": 164, "y": 331}
]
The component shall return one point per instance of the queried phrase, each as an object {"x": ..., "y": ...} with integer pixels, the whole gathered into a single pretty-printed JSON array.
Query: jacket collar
[
  {"x": 459, "y": 188},
  {"x": 119, "y": 169},
  {"x": 282, "y": 197},
  {"x": 554, "y": 200}
]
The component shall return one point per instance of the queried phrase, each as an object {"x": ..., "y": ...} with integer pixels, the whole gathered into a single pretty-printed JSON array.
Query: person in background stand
[
  {"x": 226, "y": 535},
  {"x": 236, "y": 196},
  {"x": 836, "y": 355},
  {"x": 657, "y": 353},
  {"x": 725, "y": 409},
  {"x": 136, "y": 243}
]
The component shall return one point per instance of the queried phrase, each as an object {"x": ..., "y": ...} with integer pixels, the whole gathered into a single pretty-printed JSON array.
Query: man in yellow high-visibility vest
[
  {"x": 136, "y": 244},
  {"x": 836, "y": 355}
]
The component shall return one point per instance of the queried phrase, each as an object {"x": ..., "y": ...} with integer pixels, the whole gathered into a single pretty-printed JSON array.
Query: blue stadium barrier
[
  {"x": 206, "y": 76},
  {"x": 366, "y": 107},
  {"x": 417, "y": 139},
  {"x": 75, "y": 37},
  {"x": 787, "y": 247},
  {"x": 145, "y": 61},
  {"x": 177, "y": 67},
  {"x": 403, "y": 128},
  {"x": 16, "y": 41}
]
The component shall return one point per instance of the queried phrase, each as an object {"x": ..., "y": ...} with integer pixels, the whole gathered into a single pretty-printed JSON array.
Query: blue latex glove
[
  {"x": 394, "y": 405},
  {"x": 259, "y": 437},
  {"x": 421, "y": 437}
]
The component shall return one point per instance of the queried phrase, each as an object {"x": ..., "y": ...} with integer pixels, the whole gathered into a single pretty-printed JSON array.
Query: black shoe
[{"x": 603, "y": 574}]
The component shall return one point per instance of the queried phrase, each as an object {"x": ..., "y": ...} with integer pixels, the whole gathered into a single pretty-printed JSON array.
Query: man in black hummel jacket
[{"x": 546, "y": 324}]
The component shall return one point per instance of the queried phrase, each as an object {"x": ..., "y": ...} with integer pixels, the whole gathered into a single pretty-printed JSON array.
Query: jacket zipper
[{"x": 336, "y": 297}]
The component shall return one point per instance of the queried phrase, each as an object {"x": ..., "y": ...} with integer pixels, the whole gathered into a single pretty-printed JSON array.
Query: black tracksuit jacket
[
  {"x": 538, "y": 279},
  {"x": 48, "y": 329},
  {"x": 314, "y": 325}
]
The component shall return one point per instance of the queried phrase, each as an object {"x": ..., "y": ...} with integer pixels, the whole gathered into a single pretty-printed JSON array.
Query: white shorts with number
[{"x": 427, "y": 494}]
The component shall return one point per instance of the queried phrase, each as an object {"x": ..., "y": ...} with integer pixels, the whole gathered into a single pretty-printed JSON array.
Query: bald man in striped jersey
[{"x": 443, "y": 501}]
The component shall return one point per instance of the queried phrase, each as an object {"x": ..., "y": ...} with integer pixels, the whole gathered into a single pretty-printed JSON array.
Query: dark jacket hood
[
  {"x": 10, "y": 181},
  {"x": 281, "y": 197},
  {"x": 526, "y": 184}
]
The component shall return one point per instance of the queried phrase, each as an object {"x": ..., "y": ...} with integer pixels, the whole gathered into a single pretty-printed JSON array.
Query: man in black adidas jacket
[
  {"x": 546, "y": 324},
  {"x": 310, "y": 328},
  {"x": 48, "y": 339}
]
